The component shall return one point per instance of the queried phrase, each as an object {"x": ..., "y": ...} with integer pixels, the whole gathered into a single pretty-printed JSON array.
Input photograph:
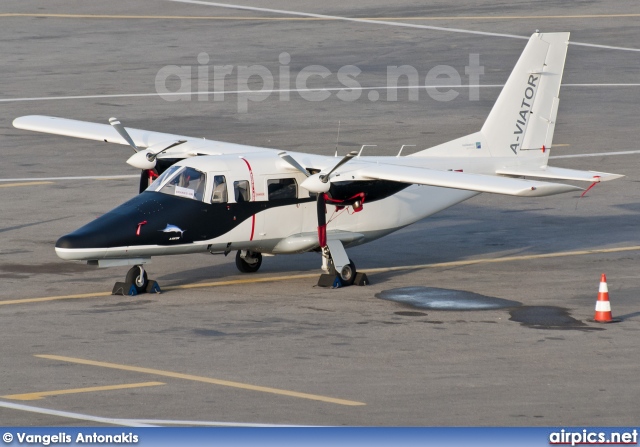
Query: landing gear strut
[{"x": 248, "y": 261}]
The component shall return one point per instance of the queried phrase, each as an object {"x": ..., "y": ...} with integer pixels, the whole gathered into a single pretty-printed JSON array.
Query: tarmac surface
[{"x": 219, "y": 347}]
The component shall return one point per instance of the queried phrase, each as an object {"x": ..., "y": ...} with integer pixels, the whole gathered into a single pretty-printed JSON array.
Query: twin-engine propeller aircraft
[{"x": 199, "y": 195}]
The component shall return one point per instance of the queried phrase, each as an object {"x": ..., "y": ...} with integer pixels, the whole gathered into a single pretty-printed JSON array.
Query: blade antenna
[
  {"x": 337, "y": 139},
  {"x": 366, "y": 145}
]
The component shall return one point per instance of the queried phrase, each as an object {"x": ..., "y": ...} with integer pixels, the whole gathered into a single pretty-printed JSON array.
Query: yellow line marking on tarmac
[
  {"x": 43, "y": 394},
  {"x": 151, "y": 17},
  {"x": 210, "y": 380},
  {"x": 10, "y": 185},
  {"x": 232, "y": 282},
  {"x": 55, "y": 298},
  {"x": 560, "y": 145},
  {"x": 505, "y": 259}
]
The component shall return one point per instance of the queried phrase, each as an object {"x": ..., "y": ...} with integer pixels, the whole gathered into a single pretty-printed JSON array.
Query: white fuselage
[{"x": 293, "y": 228}]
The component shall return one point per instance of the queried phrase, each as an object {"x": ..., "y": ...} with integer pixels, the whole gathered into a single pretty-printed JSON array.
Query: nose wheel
[
  {"x": 136, "y": 282},
  {"x": 138, "y": 277}
]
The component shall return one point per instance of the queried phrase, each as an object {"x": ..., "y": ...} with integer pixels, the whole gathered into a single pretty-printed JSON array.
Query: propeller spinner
[
  {"x": 320, "y": 183},
  {"x": 147, "y": 159}
]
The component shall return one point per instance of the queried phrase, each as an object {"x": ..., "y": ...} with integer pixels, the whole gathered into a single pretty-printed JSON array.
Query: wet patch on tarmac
[
  {"x": 535, "y": 317},
  {"x": 548, "y": 317},
  {"x": 444, "y": 299}
]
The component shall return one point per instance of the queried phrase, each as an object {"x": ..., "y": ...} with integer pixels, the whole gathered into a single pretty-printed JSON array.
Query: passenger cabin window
[
  {"x": 219, "y": 194},
  {"x": 241, "y": 189},
  {"x": 182, "y": 182},
  {"x": 282, "y": 188}
]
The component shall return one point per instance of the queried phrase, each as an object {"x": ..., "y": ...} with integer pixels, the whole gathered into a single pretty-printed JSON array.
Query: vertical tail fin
[{"x": 523, "y": 118}]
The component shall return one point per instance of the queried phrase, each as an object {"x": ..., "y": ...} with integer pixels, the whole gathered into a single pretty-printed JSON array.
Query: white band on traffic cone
[{"x": 603, "y": 306}]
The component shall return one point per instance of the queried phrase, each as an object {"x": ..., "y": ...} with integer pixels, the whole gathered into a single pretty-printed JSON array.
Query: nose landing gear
[
  {"x": 138, "y": 277},
  {"x": 136, "y": 282}
]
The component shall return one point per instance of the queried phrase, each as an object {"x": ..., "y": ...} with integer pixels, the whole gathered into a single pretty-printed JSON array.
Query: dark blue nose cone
[
  {"x": 68, "y": 242},
  {"x": 77, "y": 240}
]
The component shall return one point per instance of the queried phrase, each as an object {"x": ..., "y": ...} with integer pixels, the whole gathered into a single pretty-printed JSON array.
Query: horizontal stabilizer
[
  {"x": 461, "y": 180},
  {"x": 559, "y": 173}
]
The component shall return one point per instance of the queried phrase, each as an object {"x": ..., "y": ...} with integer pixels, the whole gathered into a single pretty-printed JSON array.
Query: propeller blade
[
  {"x": 322, "y": 219},
  {"x": 349, "y": 156},
  {"x": 153, "y": 156},
  {"x": 289, "y": 159},
  {"x": 117, "y": 125}
]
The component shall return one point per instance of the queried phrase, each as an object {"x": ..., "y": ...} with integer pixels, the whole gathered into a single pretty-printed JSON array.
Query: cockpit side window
[
  {"x": 282, "y": 188},
  {"x": 185, "y": 182},
  {"x": 219, "y": 194},
  {"x": 163, "y": 177},
  {"x": 241, "y": 189}
]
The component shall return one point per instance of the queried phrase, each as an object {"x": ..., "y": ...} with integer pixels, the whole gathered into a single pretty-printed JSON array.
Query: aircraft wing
[
  {"x": 461, "y": 180},
  {"x": 91, "y": 131}
]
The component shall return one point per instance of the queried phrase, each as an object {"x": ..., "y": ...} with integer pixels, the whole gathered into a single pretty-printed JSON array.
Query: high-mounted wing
[
  {"x": 460, "y": 180},
  {"x": 91, "y": 131},
  {"x": 150, "y": 147}
]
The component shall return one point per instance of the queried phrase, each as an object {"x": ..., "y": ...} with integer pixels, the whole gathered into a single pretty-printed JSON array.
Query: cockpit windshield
[{"x": 181, "y": 181}]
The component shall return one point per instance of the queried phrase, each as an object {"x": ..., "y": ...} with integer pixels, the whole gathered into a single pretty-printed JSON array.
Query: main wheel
[
  {"x": 348, "y": 273},
  {"x": 250, "y": 263},
  {"x": 138, "y": 277}
]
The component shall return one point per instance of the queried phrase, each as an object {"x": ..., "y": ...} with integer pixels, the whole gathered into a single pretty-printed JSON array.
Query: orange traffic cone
[{"x": 603, "y": 306}]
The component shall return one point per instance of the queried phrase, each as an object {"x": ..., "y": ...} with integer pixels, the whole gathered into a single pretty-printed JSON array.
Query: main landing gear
[
  {"x": 248, "y": 261},
  {"x": 136, "y": 282},
  {"x": 341, "y": 271}
]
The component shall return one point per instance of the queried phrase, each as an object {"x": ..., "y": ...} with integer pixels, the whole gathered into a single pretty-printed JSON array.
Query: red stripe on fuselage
[{"x": 253, "y": 197}]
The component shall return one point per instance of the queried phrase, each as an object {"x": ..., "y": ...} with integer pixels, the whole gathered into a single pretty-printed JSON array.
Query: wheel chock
[
  {"x": 123, "y": 288},
  {"x": 153, "y": 287},
  {"x": 335, "y": 282},
  {"x": 326, "y": 280},
  {"x": 361, "y": 280}
]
